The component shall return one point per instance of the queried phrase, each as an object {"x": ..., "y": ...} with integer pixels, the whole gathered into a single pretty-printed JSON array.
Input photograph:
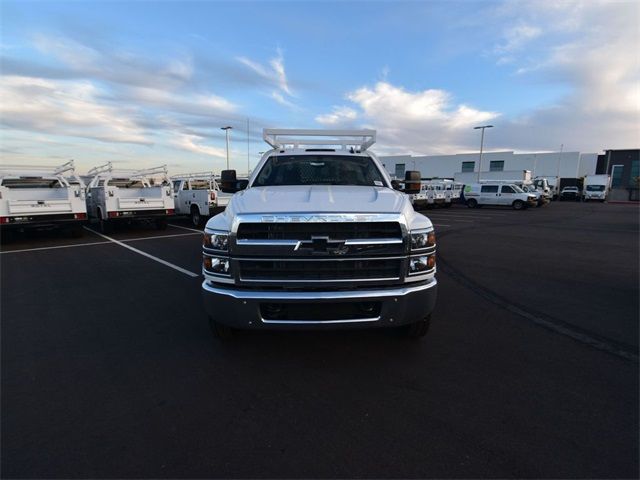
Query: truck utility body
[
  {"x": 40, "y": 196},
  {"x": 318, "y": 239},
  {"x": 126, "y": 195},
  {"x": 198, "y": 195}
]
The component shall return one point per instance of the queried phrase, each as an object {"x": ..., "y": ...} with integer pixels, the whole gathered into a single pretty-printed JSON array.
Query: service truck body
[
  {"x": 319, "y": 239},
  {"x": 127, "y": 195},
  {"x": 198, "y": 195},
  {"x": 41, "y": 197}
]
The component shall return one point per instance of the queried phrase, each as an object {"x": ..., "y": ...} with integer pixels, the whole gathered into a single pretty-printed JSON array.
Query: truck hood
[{"x": 318, "y": 198}]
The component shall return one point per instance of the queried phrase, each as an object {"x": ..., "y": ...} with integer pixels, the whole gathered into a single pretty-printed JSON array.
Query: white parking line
[
  {"x": 440, "y": 225},
  {"x": 456, "y": 220},
  {"x": 53, "y": 248},
  {"x": 145, "y": 254},
  {"x": 88, "y": 244},
  {"x": 186, "y": 228}
]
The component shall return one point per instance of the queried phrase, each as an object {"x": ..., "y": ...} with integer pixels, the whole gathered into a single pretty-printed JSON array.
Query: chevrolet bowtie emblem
[{"x": 323, "y": 246}]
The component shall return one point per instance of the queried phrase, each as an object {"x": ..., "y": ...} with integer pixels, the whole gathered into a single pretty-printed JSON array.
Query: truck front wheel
[
  {"x": 518, "y": 205},
  {"x": 418, "y": 329},
  {"x": 472, "y": 203},
  {"x": 220, "y": 331}
]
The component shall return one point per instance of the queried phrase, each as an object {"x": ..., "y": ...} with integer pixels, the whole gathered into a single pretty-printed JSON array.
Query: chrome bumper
[{"x": 241, "y": 308}]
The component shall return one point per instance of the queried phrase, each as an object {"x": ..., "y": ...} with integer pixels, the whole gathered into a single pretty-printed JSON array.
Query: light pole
[
  {"x": 481, "y": 145},
  {"x": 226, "y": 131}
]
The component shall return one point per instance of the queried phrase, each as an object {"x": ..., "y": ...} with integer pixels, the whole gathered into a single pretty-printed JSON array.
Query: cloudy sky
[{"x": 144, "y": 83}]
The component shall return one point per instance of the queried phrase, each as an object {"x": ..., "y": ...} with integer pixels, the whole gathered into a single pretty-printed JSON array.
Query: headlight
[
  {"x": 216, "y": 265},
  {"x": 422, "y": 263},
  {"x": 423, "y": 239},
  {"x": 216, "y": 241}
]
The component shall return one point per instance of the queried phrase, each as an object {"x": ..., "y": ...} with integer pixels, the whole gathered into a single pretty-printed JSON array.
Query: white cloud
[
  {"x": 66, "y": 108},
  {"x": 193, "y": 143},
  {"x": 339, "y": 115},
  {"x": 516, "y": 37},
  {"x": 275, "y": 76},
  {"x": 407, "y": 121}
]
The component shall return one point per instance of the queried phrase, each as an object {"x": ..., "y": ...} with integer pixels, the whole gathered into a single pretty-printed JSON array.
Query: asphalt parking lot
[{"x": 530, "y": 368}]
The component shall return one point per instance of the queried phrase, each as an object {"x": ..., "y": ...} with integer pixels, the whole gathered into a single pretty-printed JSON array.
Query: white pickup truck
[
  {"x": 127, "y": 195},
  {"x": 198, "y": 195},
  {"x": 319, "y": 239},
  {"x": 41, "y": 197}
]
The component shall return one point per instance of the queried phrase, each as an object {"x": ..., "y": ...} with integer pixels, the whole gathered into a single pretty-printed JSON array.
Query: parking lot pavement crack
[{"x": 586, "y": 337}]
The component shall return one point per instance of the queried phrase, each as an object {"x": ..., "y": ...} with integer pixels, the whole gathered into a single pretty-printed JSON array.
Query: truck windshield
[
  {"x": 517, "y": 189},
  {"x": 319, "y": 170},
  {"x": 595, "y": 188}
]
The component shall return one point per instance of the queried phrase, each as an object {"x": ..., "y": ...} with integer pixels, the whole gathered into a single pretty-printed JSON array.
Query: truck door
[
  {"x": 506, "y": 195},
  {"x": 488, "y": 195}
]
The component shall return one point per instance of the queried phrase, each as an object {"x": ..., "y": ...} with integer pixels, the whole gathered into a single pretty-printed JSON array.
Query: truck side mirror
[
  {"x": 412, "y": 181},
  {"x": 396, "y": 185},
  {"x": 229, "y": 182}
]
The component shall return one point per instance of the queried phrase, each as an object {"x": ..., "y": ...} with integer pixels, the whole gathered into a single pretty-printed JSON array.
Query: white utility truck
[
  {"x": 595, "y": 187},
  {"x": 198, "y": 195},
  {"x": 41, "y": 197},
  {"x": 319, "y": 239},
  {"x": 118, "y": 195},
  {"x": 497, "y": 193}
]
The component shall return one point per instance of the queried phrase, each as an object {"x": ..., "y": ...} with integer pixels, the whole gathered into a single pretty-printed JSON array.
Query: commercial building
[
  {"x": 623, "y": 166},
  {"x": 570, "y": 165}
]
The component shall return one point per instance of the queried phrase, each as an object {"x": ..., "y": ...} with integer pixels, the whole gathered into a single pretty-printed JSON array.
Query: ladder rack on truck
[
  {"x": 127, "y": 194},
  {"x": 42, "y": 196},
  {"x": 280, "y": 138}
]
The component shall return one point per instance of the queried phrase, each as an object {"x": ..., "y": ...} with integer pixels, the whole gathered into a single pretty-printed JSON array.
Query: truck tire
[
  {"x": 196, "y": 219},
  {"x": 104, "y": 226},
  {"x": 472, "y": 203},
  {"x": 220, "y": 331},
  {"x": 518, "y": 205},
  {"x": 161, "y": 223},
  {"x": 418, "y": 329}
]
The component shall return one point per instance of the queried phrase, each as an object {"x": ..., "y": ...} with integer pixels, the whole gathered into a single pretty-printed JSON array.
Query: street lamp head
[
  {"x": 483, "y": 126},
  {"x": 226, "y": 128}
]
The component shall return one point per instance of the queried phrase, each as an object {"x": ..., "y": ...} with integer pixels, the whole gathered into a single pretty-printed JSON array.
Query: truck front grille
[
  {"x": 304, "y": 231},
  {"x": 319, "y": 270}
]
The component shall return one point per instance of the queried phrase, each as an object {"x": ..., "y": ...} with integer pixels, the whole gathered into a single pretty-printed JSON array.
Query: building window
[
  {"x": 468, "y": 166},
  {"x": 400, "y": 170},
  {"x": 616, "y": 175},
  {"x": 635, "y": 173},
  {"x": 496, "y": 166}
]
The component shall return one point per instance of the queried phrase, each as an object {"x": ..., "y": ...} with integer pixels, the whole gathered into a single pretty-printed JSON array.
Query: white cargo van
[
  {"x": 198, "y": 195},
  {"x": 41, "y": 197},
  {"x": 127, "y": 195},
  {"x": 496, "y": 193}
]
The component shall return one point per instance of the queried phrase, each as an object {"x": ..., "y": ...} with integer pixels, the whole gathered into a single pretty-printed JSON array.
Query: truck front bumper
[{"x": 380, "y": 307}]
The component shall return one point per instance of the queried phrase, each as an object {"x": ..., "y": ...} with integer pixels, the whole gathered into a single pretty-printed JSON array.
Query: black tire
[
  {"x": 220, "y": 331},
  {"x": 196, "y": 218},
  {"x": 162, "y": 223},
  {"x": 472, "y": 203},
  {"x": 418, "y": 329},
  {"x": 518, "y": 205},
  {"x": 104, "y": 226}
]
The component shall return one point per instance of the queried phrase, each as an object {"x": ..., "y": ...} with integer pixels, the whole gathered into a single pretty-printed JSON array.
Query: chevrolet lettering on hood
[{"x": 316, "y": 218}]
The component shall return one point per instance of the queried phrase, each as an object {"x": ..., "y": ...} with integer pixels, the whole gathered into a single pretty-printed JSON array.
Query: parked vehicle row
[
  {"x": 41, "y": 196},
  {"x": 55, "y": 197}
]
